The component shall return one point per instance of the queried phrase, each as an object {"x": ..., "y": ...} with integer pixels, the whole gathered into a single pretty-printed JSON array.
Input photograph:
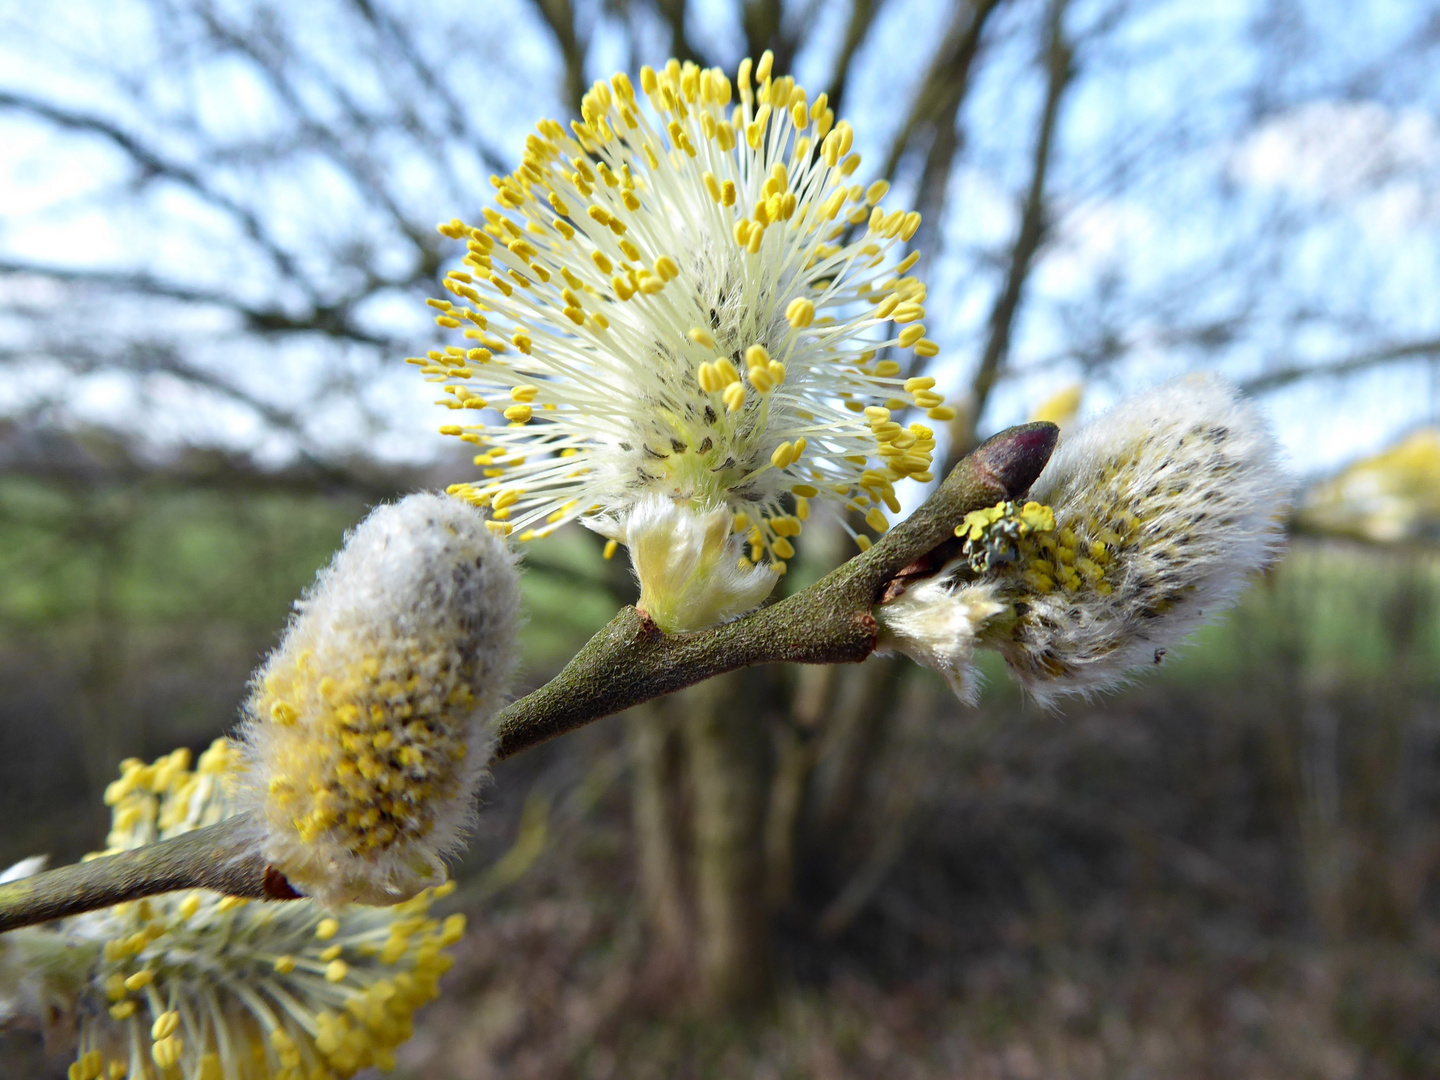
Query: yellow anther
[
  {"x": 911, "y": 334},
  {"x": 734, "y": 396},
  {"x": 726, "y": 371},
  {"x": 908, "y": 313},
  {"x": 166, "y": 1052},
  {"x": 927, "y": 348},
  {"x": 783, "y": 548},
  {"x": 336, "y": 971},
  {"x": 712, "y": 186},
  {"x": 785, "y": 526},
  {"x": 524, "y": 394},
  {"x": 782, "y": 455},
  {"x": 518, "y": 414},
  {"x": 139, "y": 980},
  {"x": 762, "y": 69},
  {"x": 943, "y": 412},
  {"x": 165, "y": 1025},
  {"x": 800, "y": 312},
  {"x": 761, "y": 379},
  {"x": 700, "y": 336},
  {"x": 326, "y": 929},
  {"x": 920, "y": 382},
  {"x": 666, "y": 267}
]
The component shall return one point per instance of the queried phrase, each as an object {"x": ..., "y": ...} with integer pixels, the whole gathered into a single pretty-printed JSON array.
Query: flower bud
[
  {"x": 368, "y": 727},
  {"x": 691, "y": 567}
]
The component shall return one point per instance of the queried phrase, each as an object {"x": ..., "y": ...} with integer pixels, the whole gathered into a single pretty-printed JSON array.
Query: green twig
[{"x": 627, "y": 662}]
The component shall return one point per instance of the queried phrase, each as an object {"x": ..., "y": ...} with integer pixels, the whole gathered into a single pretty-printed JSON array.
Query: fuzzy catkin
[
  {"x": 686, "y": 297},
  {"x": 1163, "y": 507},
  {"x": 367, "y": 729},
  {"x": 199, "y": 986},
  {"x": 1145, "y": 523}
]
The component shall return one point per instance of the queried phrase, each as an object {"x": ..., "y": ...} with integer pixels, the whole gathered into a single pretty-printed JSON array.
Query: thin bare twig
[
  {"x": 1281, "y": 377},
  {"x": 1034, "y": 223},
  {"x": 152, "y": 163}
]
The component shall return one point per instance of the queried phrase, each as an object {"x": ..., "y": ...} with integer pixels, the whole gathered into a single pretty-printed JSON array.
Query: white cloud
[{"x": 1381, "y": 163}]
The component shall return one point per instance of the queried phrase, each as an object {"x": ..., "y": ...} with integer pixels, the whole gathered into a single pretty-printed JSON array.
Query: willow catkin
[{"x": 368, "y": 727}]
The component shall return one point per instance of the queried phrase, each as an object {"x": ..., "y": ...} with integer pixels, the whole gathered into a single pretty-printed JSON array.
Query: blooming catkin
[
  {"x": 1146, "y": 522},
  {"x": 200, "y": 986},
  {"x": 686, "y": 297},
  {"x": 367, "y": 728}
]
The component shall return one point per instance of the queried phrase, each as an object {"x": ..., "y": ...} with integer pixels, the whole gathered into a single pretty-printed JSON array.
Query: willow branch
[
  {"x": 217, "y": 857},
  {"x": 626, "y": 663}
]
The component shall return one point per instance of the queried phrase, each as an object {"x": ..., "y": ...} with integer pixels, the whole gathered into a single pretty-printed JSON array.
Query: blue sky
[{"x": 1345, "y": 155}]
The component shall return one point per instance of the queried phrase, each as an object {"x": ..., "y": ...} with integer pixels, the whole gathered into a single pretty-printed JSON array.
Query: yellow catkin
[{"x": 746, "y": 317}]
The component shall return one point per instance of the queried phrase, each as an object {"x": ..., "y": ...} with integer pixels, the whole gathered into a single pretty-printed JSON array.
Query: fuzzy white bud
[
  {"x": 368, "y": 727},
  {"x": 691, "y": 567},
  {"x": 1145, "y": 523}
]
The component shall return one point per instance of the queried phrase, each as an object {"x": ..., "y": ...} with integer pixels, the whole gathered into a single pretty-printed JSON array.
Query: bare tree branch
[
  {"x": 947, "y": 80},
  {"x": 152, "y": 163},
  {"x": 332, "y": 319},
  {"x": 559, "y": 16},
  {"x": 857, "y": 28},
  {"x": 681, "y": 47},
  {"x": 1281, "y": 377},
  {"x": 392, "y": 32},
  {"x": 1034, "y": 224}
]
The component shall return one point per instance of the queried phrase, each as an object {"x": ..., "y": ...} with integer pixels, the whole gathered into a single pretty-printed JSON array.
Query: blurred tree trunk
[
  {"x": 658, "y": 807},
  {"x": 726, "y": 740}
]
